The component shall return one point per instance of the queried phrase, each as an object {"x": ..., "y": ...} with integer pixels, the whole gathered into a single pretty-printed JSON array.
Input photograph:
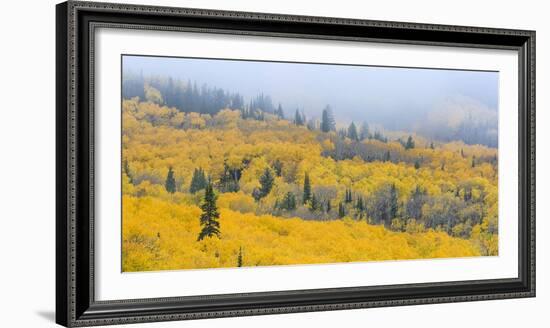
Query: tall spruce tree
[
  {"x": 266, "y": 182},
  {"x": 364, "y": 131},
  {"x": 198, "y": 181},
  {"x": 240, "y": 257},
  {"x": 229, "y": 180},
  {"x": 349, "y": 196},
  {"x": 417, "y": 199},
  {"x": 352, "y": 132},
  {"x": 170, "y": 183},
  {"x": 410, "y": 143},
  {"x": 394, "y": 206},
  {"x": 126, "y": 168},
  {"x": 298, "y": 118},
  {"x": 341, "y": 210},
  {"x": 289, "y": 202},
  {"x": 360, "y": 205},
  {"x": 327, "y": 120},
  {"x": 278, "y": 167},
  {"x": 210, "y": 215},
  {"x": 279, "y": 112},
  {"x": 307, "y": 189},
  {"x": 314, "y": 203}
]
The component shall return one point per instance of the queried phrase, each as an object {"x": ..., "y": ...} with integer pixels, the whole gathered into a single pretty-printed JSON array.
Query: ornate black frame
[{"x": 76, "y": 23}]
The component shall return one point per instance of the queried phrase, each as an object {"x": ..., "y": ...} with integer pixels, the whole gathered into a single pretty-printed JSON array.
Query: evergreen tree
[
  {"x": 352, "y": 132},
  {"x": 198, "y": 181},
  {"x": 229, "y": 180},
  {"x": 298, "y": 118},
  {"x": 474, "y": 161},
  {"x": 410, "y": 143},
  {"x": 126, "y": 168},
  {"x": 279, "y": 112},
  {"x": 364, "y": 131},
  {"x": 413, "y": 208},
  {"x": 307, "y": 189},
  {"x": 327, "y": 120},
  {"x": 240, "y": 257},
  {"x": 348, "y": 197},
  {"x": 329, "y": 206},
  {"x": 387, "y": 156},
  {"x": 324, "y": 122},
  {"x": 210, "y": 215},
  {"x": 278, "y": 167},
  {"x": 314, "y": 203},
  {"x": 394, "y": 206},
  {"x": 266, "y": 182},
  {"x": 289, "y": 202},
  {"x": 432, "y": 145},
  {"x": 170, "y": 183},
  {"x": 360, "y": 205},
  {"x": 257, "y": 194},
  {"x": 417, "y": 164},
  {"x": 341, "y": 210}
]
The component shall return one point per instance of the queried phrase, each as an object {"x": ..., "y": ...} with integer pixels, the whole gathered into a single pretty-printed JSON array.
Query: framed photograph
[{"x": 216, "y": 164}]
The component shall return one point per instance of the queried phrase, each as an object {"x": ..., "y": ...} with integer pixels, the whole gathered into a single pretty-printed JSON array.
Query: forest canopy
[{"x": 212, "y": 180}]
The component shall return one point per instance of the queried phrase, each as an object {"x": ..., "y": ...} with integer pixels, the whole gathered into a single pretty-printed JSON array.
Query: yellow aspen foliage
[
  {"x": 161, "y": 235},
  {"x": 445, "y": 195}
]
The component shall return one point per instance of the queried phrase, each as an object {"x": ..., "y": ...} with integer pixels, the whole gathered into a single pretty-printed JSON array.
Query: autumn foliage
[{"x": 289, "y": 194}]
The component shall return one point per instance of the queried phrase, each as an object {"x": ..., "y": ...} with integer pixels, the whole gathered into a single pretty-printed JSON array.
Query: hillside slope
[{"x": 370, "y": 199}]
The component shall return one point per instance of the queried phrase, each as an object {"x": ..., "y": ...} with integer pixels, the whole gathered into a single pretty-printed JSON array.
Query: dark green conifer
[
  {"x": 352, "y": 132},
  {"x": 278, "y": 167},
  {"x": 410, "y": 143},
  {"x": 266, "y": 182},
  {"x": 126, "y": 168},
  {"x": 394, "y": 206},
  {"x": 307, "y": 189},
  {"x": 198, "y": 181},
  {"x": 210, "y": 215},
  {"x": 289, "y": 202},
  {"x": 314, "y": 203},
  {"x": 240, "y": 257},
  {"x": 360, "y": 205},
  {"x": 341, "y": 210},
  {"x": 170, "y": 183}
]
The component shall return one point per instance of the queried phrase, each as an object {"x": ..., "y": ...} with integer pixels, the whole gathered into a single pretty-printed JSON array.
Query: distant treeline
[
  {"x": 188, "y": 96},
  {"x": 476, "y": 127}
]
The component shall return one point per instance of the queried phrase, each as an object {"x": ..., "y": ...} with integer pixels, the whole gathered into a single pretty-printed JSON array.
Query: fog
[{"x": 395, "y": 98}]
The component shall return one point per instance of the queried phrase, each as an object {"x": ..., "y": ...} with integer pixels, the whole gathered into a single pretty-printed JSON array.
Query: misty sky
[{"x": 393, "y": 97}]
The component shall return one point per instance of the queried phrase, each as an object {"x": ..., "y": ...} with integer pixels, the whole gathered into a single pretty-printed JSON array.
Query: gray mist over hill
[{"x": 442, "y": 104}]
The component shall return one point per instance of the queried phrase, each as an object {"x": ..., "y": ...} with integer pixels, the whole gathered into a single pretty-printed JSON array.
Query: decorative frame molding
[{"x": 75, "y": 30}]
